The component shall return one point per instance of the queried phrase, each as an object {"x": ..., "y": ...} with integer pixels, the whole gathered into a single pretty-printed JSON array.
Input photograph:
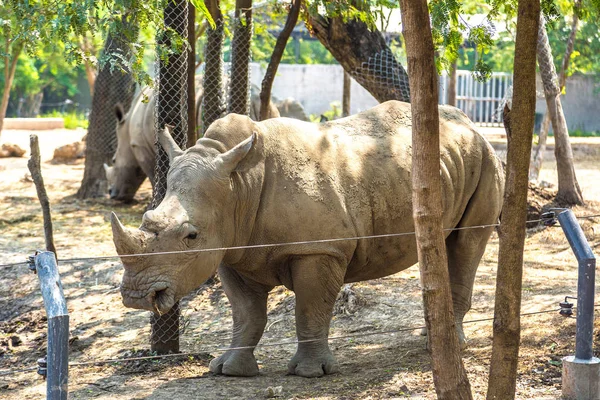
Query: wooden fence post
[{"x": 57, "y": 375}]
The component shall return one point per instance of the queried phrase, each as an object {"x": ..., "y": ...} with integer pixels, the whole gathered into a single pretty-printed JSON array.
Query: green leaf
[{"x": 200, "y": 6}]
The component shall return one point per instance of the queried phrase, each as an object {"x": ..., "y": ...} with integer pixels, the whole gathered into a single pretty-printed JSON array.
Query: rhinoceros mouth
[{"x": 158, "y": 300}]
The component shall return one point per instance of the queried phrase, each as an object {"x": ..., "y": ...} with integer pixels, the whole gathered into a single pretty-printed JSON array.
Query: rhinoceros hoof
[
  {"x": 313, "y": 367},
  {"x": 235, "y": 363}
]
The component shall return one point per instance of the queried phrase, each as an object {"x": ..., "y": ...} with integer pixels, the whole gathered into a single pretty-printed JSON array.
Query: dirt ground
[{"x": 373, "y": 366}]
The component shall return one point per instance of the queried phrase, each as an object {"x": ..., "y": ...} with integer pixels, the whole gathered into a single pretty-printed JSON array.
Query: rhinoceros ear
[
  {"x": 232, "y": 159},
  {"x": 166, "y": 141},
  {"x": 119, "y": 112}
]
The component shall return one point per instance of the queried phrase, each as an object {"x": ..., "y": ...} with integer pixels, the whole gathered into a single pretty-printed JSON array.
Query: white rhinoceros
[
  {"x": 135, "y": 157},
  {"x": 281, "y": 180}
]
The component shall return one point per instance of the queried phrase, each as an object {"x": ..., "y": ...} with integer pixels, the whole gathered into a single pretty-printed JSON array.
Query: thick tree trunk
[
  {"x": 111, "y": 87},
  {"x": 449, "y": 375},
  {"x": 239, "y": 89},
  {"x": 212, "y": 86},
  {"x": 346, "y": 105},
  {"x": 171, "y": 109},
  {"x": 569, "y": 192},
  {"x": 519, "y": 126},
  {"x": 267, "y": 83},
  {"x": 10, "y": 66},
  {"x": 452, "y": 85},
  {"x": 364, "y": 55}
]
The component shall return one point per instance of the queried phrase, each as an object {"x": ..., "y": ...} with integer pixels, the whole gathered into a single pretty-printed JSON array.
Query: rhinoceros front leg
[
  {"x": 316, "y": 282},
  {"x": 249, "y": 307}
]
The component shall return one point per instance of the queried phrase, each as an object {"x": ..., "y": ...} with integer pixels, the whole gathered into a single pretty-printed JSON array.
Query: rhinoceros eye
[{"x": 192, "y": 236}]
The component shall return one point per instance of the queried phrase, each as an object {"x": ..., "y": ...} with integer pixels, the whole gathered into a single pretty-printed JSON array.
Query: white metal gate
[{"x": 479, "y": 100}]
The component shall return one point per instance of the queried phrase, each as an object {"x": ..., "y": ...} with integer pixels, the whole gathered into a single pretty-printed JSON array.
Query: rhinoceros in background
[
  {"x": 291, "y": 108},
  {"x": 135, "y": 157},
  {"x": 281, "y": 180}
]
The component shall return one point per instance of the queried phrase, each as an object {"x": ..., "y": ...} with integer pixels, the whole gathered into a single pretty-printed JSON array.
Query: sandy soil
[{"x": 374, "y": 366}]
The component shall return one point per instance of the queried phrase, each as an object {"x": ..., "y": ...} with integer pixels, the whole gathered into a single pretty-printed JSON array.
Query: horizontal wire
[
  {"x": 275, "y": 344},
  {"x": 258, "y": 246}
]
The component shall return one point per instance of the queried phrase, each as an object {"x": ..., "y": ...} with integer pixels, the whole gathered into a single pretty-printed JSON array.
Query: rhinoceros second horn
[{"x": 166, "y": 141}]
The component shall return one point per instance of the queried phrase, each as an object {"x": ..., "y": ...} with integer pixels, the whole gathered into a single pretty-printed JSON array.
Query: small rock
[
  {"x": 69, "y": 152},
  {"x": 272, "y": 392},
  {"x": 11, "y": 150}
]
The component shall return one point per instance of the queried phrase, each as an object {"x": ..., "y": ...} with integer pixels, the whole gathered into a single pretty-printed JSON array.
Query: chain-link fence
[
  {"x": 112, "y": 86},
  {"x": 171, "y": 109},
  {"x": 384, "y": 71}
]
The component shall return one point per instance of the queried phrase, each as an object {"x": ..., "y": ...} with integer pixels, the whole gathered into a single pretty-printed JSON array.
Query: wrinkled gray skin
[
  {"x": 283, "y": 180},
  {"x": 135, "y": 157}
]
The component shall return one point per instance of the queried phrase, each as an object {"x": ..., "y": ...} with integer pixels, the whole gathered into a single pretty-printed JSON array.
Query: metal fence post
[
  {"x": 581, "y": 373},
  {"x": 57, "y": 375}
]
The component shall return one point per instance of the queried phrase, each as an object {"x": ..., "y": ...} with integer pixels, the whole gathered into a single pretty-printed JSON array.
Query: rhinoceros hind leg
[
  {"x": 466, "y": 247},
  {"x": 317, "y": 281},
  {"x": 249, "y": 308}
]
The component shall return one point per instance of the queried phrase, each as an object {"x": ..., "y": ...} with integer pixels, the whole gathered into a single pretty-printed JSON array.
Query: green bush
[
  {"x": 581, "y": 133},
  {"x": 73, "y": 119}
]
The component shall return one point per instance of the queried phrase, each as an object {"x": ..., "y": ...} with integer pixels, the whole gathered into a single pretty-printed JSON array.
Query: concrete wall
[
  {"x": 33, "y": 123},
  {"x": 581, "y": 102},
  {"x": 316, "y": 86}
]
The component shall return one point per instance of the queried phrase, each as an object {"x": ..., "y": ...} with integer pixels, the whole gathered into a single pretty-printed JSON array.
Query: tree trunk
[
  {"x": 111, "y": 87},
  {"x": 212, "y": 86},
  {"x": 538, "y": 158},
  {"x": 562, "y": 77},
  {"x": 364, "y": 55},
  {"x": 191, "y": 77},
  {"x": 452, "y": 85},
  {"x": 10, "y": 66},
  {"x": 346, "y": 105},
  {"x": 519, "y": 128},
  {"x": 449, "y": 375},
  {"x": 239, "y": 89},
  {"x": 267, "y": 83},
  {"x": 569, "y": 192},
  {"x": 171, "y": 109}
]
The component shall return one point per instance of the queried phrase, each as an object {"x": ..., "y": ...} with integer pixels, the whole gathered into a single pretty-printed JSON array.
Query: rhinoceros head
[
  {"x": 125, "y": 176},
  {"x": 196, "y": 213}
]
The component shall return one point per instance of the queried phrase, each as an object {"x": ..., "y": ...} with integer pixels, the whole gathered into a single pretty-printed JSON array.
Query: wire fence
[
  {"x": 217, "y": 347},
  {"x": 172, "y": 110},
  {"x": 384, "y": 71}
]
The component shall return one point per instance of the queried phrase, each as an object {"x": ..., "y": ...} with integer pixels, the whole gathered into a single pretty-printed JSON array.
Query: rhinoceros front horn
[{"x": 126, "y": 241}]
